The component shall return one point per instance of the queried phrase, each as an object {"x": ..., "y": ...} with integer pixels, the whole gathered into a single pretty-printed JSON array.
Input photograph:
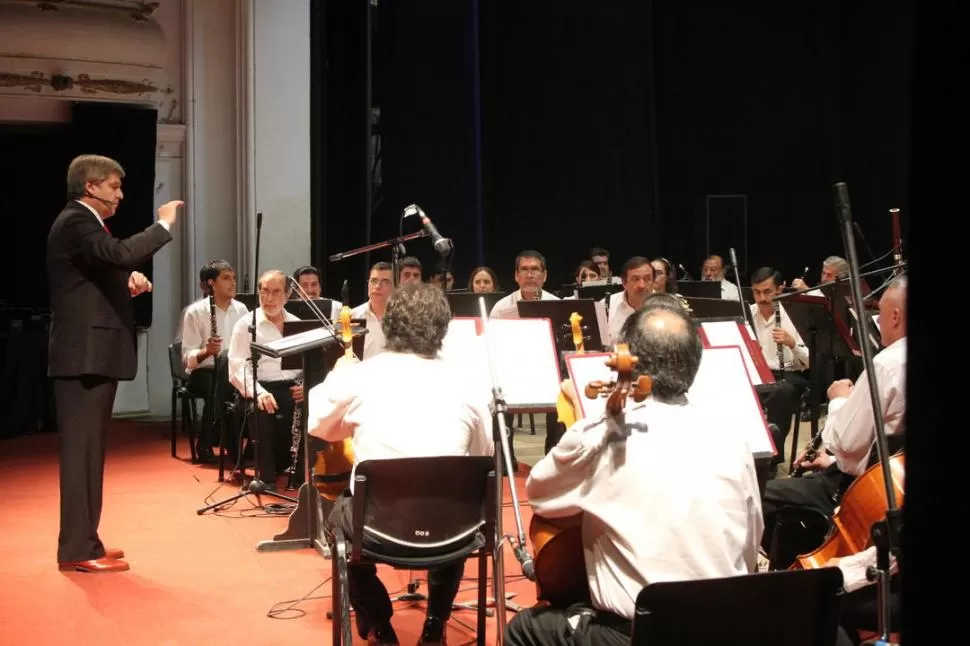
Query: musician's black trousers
[
  {"x": 815, "y": 491},
  {"x": 367, "y": 593},
  {"x": 274, "y": 431},
  {"x": 548, "y": 626},
  {"x": 782, "y": 404}
]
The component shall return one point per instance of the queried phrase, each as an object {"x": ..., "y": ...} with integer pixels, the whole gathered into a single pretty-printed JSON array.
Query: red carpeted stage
[{"x": 193, "y": 579}]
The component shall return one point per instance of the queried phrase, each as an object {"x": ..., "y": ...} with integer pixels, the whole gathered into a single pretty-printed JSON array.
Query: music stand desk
[
  {"x": 302, "y": 311},
  {"x": 700, "y": 289},
  {"x": 558, "y": 313},
  {"x": 465, "y": 304}
]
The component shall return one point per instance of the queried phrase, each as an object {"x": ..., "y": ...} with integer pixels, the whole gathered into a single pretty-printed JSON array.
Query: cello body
[
  {"x": 863, "y": 504},
  {"x": 559, "y": 563},
  {"x": 331, "y": 471}
]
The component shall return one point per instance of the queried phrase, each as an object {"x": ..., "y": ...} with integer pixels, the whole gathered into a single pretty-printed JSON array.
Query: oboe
[
  {"x": 296, "y": 434},
  {"x": 897, "y": 240},
  {"x": 780, "y": 346}
]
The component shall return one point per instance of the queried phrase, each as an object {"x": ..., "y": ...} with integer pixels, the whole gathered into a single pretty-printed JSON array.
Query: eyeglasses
[
  {"x": 530, "y": 270},
  {"x": 383, "y": 282},
  {"x": 275, "y": 293}
]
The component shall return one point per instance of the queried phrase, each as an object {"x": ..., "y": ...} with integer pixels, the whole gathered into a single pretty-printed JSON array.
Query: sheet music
[
  {"x": 600, "y": 308},
  {"x": 721, "y": 388},
  {"x": 286, "y": 343},
  {"x": 523, "y": 357},
  {"x": 727, "y": 333}
]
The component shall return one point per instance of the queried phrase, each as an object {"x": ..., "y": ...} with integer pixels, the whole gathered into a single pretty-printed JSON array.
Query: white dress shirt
[
  {"x": 850, "y": 428},
  {"x": 647, "y": 519},
  {"x": 729, "y": 291},
  {"x": 371, "y": 402},
  {"x": 267, "y": 368},
  {"x": 197, "y": 328},
  {"x": 854, "y": 568},
  {"x": 374, "y": 339},
  {"x": 509, "y": 302},
  {"x": 619, "y": 311},
  {"x": 796, "y": 359}
]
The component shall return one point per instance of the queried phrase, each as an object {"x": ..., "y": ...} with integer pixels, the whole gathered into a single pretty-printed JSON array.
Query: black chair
[
  {"x": 798, "y": 530},
  {"x": 422, "y": 513},
  {"x": 798, "y": 608},
  {"x": 182, "y": 396}
]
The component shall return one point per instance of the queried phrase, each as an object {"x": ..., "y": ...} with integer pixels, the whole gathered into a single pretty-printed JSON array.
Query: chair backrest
[
  {"x": 175, "y": 362},
  {"x": 425, "y": 505},
  {"x": 797, "y": 608}
]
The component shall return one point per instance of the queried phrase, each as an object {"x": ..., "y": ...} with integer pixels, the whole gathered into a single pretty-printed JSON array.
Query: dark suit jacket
[{"x": 92, "y": 318}]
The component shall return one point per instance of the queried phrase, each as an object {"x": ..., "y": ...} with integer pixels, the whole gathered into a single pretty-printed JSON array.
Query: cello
[
  {"x": 863, "y": 504},
  {"x": 334, "y": 463},
  {"x": 560, "y": 567}
]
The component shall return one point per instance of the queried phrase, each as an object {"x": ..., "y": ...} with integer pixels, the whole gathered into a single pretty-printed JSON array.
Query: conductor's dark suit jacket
[{"x": 92, "y": 317}]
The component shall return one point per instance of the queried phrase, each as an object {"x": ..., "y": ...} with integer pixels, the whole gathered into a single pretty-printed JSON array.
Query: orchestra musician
[
  {"x": 644, "y": 517},
  {"x": 379, "y": 286},
  {"x": 782, "y": 403},
  {"x": 848, "y": 438},
  {"x": 833, "y": 268},
  {"x": 409, "y": 270},
  {"x": 310, "y": 281},
  {"x": 483, "y": 280},
  {"x": 202, "y": 347},
  {"x": 276, "y": 389},
  {"x": 637, "y": 277},
  {"x": 713, "y": 270},
  {"x": 601, "y": 258},
  {"x": 365, "y": 401}
]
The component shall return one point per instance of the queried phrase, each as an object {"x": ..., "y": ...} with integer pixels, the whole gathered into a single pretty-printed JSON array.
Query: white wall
[
  {"x": 234, "y": 113},
  {"x": 281, "y": 66}
]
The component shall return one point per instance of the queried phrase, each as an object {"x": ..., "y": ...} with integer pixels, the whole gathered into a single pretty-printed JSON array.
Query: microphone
[
  {"x": 441, "y": 244},
  {"x": 734, "y": 259},
  {"x": 344, "y": 293},
  {"x": 259, "y": 220},
  {"x": 101, "y": 199},
  {"x": 683, "y": 272},
  {"x": 528, "y": 567}
]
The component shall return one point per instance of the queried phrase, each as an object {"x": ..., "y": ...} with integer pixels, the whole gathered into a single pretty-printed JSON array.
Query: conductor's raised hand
[{"x": 168, "y": 212}]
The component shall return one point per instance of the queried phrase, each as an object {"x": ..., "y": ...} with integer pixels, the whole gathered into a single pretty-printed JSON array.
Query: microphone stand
[
  {"x": 392, "y": 242},
  {"x": 256, "y": 486},
  {"x": 885, "y": 533},
  {"x": 746, "y": 313},
  {"x": 501, "y": 453}
]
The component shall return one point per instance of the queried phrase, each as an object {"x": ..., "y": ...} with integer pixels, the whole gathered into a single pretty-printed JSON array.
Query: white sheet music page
[
  {"x": 727, "y": 333},
  {"x": 723, "y": 390},
  {"x": 582, "y": 369},
  {"x": 523, "y": 357},
  {"x": 300, "y": 338},
  {"x": 600, "y": 309}
]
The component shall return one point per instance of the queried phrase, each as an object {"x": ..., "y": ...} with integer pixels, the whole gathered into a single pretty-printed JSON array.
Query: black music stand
[
  {"x": 251, "y": 301},
  {"x": 465, "y": 304},
  {"x": 598, "y": 292},
  {"x": 811, "y": 316},
  {"x": 701, "y": 289},
  {"x": 302, "y": 311},
  {"x": 315, "y": 357},
  {"x": 712, "y": 308},
  {"x": 558, "y": 312}
]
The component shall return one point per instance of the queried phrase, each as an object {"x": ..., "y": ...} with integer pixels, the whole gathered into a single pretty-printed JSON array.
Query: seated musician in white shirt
[
  {"x": 202, "y": 350},
  {"x": 784, "y": 401},
  {"x": 379, "y": 285},
  {"x": 713, "y": 270},
  {"x": 311, "y": 282},
  {"x": 637, "y": 276},
  {"x": 833, "y": 268},
  {"x": 276, "y": 390},
  {"x": 530, "y": 276},
  {"x": 446, "y": 416},
  {"x": 645, "y": 518}
]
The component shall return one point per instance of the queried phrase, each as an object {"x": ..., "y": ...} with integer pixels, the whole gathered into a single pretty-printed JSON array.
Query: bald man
[{"x": 849, "y": 432}]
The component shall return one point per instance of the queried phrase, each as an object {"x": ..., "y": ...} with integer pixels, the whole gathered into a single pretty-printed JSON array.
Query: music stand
[
  {"x": 712, "y": 308},
  {"x": 302, "y": 311},
  {"x": 598, "y": 292},
  {"x": 558, "y": 313},
  {"x": 701, "y": 289},
  {"x": 251, "y": 301},
  {"x": 315, "y": 354},
  {"x": 465, "y": 304}
]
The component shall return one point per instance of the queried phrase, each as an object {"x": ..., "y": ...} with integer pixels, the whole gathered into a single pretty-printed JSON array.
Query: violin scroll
[{"x": 624, "y": 386}]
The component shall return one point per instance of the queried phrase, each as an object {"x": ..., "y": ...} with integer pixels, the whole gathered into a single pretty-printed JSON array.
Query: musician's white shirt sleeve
[
  {"x": 854, "y": 568},
  {"x": 796, "y": 358},
  {"x": 373, "y": 402},
  {"x": 850, "y": 428},
  {"x": 646, "y": 518},
  {"x": 729, "y": 291}
]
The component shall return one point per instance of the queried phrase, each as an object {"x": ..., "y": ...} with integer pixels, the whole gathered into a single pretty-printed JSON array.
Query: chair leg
[
  {"x": 336, "y": 598},
  {"x": 188, "y": 423},
  {"x": 174, "y": 426},
  {"x": 532, "y": 424},
  {"x": 482, "y": 597},
  {"x": 344, "y": 584}
]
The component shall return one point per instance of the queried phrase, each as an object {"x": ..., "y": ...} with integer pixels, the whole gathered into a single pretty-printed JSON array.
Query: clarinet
[
  {"x": 296, "y": 433},
  {"x": 212, "y": 316},
  {"x": 781, "y": 346},
  {"x": 810, "y": 454}
]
